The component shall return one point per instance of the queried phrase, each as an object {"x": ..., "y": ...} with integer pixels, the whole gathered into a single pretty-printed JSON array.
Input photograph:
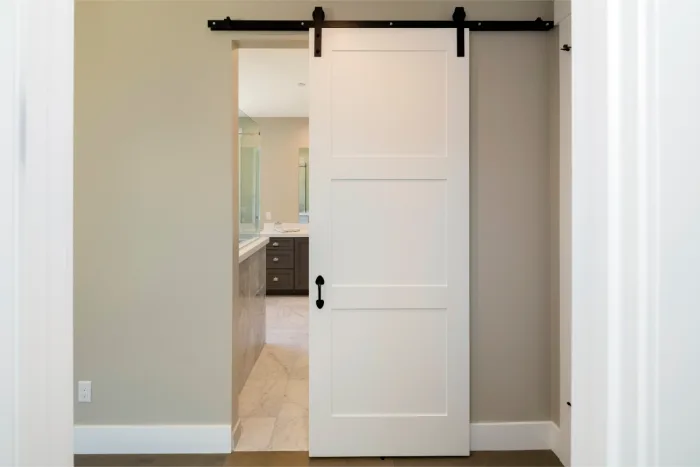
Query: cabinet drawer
[
  {"x": 283, "y": 259},
  {"x": 277, "y": 243},
  {"x": 280, "y": 279}
]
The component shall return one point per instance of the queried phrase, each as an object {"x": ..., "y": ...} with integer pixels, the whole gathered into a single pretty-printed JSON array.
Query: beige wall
[
  {"x": 511, "y": 318},
  {"x": 281, "y": 139},
  {"x": 154, "y": 223},
  {"x": 553, "y": 76},
  {"x": 562, "y": 9},
  {"x": 565, "y": 223},
  {"x": 153, "y": 215}
]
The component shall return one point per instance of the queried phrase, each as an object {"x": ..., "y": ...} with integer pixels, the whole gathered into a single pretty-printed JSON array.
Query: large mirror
[{"x": 304, "y": 185}]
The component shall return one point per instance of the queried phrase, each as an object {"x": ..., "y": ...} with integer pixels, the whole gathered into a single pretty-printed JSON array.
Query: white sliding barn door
[{"x": 389, "y": 173}]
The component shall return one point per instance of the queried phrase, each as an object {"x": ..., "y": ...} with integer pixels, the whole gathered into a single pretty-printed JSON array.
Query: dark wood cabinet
[
  {"x": 288, "y": 266},
  {"x": 301, "y": 264}
]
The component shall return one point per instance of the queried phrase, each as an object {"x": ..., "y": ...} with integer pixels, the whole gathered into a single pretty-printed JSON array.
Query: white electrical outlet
[
  {"x": 268, "y": 216},
  {"x": 84, "y": 391}
]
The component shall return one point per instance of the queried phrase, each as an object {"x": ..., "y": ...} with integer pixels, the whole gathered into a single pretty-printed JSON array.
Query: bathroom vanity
[
  {"x": 288, "y": 266},
  {"x": 287, "y": 262}
]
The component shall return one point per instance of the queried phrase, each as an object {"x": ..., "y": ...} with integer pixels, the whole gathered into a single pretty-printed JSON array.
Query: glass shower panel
[{"x": 248, "y": 177}]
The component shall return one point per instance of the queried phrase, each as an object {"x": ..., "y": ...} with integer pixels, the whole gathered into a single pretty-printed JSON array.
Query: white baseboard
[
  {"x": 207, "y": 439},
  {"x": 152, "y": 439},
  {"x": 512, "y": 436},
  {"x": 558, "y": 446}
]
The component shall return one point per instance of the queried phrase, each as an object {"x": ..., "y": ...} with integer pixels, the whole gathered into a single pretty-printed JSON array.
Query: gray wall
[{"x": 154, "y": 269}]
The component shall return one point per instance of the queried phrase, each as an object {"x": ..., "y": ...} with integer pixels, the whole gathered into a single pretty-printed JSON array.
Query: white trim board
[
  {"x": 216, "y": 439},
  {"x": 152, "y": 439}
]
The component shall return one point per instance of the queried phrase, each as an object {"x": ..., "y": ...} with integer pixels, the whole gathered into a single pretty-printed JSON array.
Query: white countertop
[
  {"x": 248, "y": 249},
  {"x": 267, "y": 234},
  {"x": 271, "y": 231}
]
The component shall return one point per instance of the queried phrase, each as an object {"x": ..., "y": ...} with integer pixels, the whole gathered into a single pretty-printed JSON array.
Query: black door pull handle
[{"x": 319, "y": 283}]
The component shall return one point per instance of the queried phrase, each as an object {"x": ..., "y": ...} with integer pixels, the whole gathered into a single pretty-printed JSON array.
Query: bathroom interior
[{"x": 271, "y": 361}]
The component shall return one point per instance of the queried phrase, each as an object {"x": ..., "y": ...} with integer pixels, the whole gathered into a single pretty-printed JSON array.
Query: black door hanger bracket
[{"x": 318, "y": 17}]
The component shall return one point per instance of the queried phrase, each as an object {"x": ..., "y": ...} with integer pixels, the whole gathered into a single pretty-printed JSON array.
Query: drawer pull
[
  {"x": 275, "y": 279},
  {"x": 275, "y": 244},
  {"x": 275, "y": 259}
]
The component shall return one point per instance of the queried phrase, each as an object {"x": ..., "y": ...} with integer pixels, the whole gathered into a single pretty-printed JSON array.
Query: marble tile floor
[{"x": 274, "y": 403}]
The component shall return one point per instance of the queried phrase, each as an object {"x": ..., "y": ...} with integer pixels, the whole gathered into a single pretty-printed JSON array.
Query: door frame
[
  {"x": 615, "y": 229},
  {"x": 38, "y": 168},
  {"x": 36, "y": 232}
]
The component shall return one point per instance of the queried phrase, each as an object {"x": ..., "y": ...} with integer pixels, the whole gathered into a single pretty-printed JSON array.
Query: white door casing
[
  {"x": 389, "y": 150},
  {"x": 9, "y": 102},
  {"x": 636, "y": 242},
  {"x": 36, "y": 227}
]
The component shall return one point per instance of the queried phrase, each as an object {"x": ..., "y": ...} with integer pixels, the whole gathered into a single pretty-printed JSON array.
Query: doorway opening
[
  {"x": 272, "y": 358},
  {"x": 374, "y": 149}
]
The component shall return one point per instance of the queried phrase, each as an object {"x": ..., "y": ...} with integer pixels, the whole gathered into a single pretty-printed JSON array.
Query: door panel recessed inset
[
  {"x": 379, "y": 112},
  {"x": 402, "y": 243},
  {"x": 378, "y": 354}
]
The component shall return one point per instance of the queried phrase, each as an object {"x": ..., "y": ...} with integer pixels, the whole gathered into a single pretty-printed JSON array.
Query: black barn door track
[{"x": 318, "y": 22}]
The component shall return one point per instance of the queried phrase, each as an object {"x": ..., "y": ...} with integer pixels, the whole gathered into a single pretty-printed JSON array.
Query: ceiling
[{"x": 268, "y": 82}]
